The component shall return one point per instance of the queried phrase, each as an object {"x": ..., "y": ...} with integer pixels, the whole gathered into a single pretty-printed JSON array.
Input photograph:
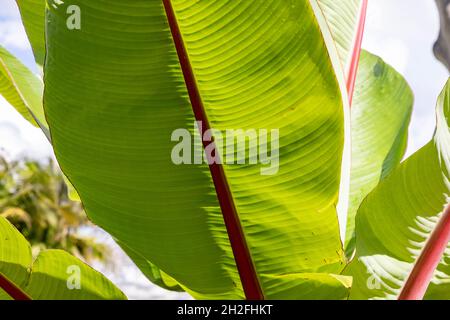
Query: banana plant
[
  {"x": 54, "y": 275},
  {"x": 121, "y": 77}
]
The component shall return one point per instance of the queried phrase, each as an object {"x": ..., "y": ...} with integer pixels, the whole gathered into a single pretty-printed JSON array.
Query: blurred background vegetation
[{"x": 33, "y": 197}]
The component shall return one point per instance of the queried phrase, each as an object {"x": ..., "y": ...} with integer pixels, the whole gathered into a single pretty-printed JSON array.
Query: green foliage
[
  {"x": 397, "y": 218},
  {"x": 53, "y": 275}
]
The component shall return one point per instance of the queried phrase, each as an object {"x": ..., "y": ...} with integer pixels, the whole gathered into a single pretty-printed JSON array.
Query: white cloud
[
  {"x": 12, "y": 34},
  {"x": 402, "y": 32},
  {"x": 18, "y": 138},
  {"x": 9, "y": 9}
]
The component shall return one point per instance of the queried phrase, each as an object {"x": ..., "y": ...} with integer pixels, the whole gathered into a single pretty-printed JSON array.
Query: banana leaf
[{"x": 119, "y": 87}]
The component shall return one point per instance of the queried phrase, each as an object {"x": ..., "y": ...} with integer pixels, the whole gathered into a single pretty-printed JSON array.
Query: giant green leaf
[
  {"x": 22, "y": 89},
  {"x": 380, "y": 113},
  {"x": 115, "y": 94},
  {"x": 49, "y": 277},
  {"x": 396, "y": 219}
]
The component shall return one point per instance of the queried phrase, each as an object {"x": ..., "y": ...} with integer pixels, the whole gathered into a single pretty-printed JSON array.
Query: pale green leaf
[
  {"x": 396, "y": 219},
  {"x": 22, "y": 89},
  {"x": 381, "y": 112}
]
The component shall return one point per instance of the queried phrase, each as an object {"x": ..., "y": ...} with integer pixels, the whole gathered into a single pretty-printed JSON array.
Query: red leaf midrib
[
  {"x": 420, "y": 277},
  {"x": 11, "y": 289},
  {"x": 352, "y": 71},
  {"x": 242, "y": 256}
]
